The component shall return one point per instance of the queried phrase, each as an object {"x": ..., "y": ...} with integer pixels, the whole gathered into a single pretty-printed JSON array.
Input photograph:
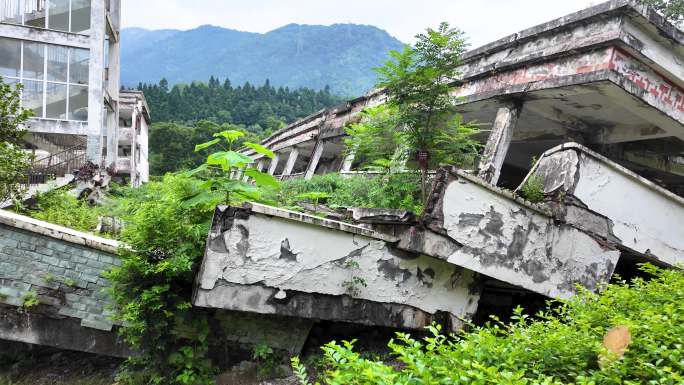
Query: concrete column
[
  {"x": 260, "y": 165},
  {"x": 348, "y": 161},
  {"x": 96, "y": 108},
  {"x": 315, "y": 158},
  {"x": 291, "y": 161},
  {"x": 113, "y": 85},
  {"x": 274, "y": 164},
  {"x": 498, "y": 143}
]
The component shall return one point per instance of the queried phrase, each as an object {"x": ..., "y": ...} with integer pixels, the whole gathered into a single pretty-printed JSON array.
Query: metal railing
[{"x": 56, "y": 165}]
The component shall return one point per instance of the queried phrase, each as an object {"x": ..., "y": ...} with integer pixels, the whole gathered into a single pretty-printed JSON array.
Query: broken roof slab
[
  {"x": 270, "y": 261},
  {"x": 644, "y": 218}
]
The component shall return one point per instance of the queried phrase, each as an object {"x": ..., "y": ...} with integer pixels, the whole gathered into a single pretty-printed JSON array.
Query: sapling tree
[
  {"x": 227, "y": 176},
  {"x": 422, "y": 121},
  {"x": 14, "y": 162}
]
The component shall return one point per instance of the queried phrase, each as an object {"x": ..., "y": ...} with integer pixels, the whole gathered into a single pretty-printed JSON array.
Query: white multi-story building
[
  {"x": 66, "y": 54},
  {"x": 134, "y": 121}
]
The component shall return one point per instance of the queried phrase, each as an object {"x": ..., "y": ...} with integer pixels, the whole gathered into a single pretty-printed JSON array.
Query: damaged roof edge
[
  {"x": 615, "y": 166},
  {"x": 313, "y": 220},
  {"x": 603, "y": 9}
]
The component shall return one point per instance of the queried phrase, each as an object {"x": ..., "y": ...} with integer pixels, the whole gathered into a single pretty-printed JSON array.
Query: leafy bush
[
  {"x": 533, "y": 189},
  {"x": 152, "y": 288},
  {"x": 559, "y": 346},
  {"x": 398, "y": 191},
  {"x": 61, "y": 208}
]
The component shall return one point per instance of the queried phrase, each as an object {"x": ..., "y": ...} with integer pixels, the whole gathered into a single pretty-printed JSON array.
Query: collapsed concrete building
[{"x": 594, "y": 96}]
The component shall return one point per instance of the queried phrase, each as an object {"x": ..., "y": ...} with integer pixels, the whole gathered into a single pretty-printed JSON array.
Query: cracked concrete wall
[
  {"x": 645, "y": 218},
  {"x": 519, "y": 243},
  {"x": 272, "y": 264}
]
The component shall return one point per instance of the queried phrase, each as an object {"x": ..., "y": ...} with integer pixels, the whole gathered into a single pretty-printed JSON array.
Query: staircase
[{"x": 53, "y": 171}]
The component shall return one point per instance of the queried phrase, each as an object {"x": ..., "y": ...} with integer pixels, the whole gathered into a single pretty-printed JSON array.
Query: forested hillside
[
  {"x": 342, "y": 56},
  {"x": 184, "y": 115}
]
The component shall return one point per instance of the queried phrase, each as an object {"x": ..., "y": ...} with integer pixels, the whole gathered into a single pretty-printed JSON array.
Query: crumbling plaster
[
  {"x": 272, "y": 254},
  {"x": 645, "y": 218}
]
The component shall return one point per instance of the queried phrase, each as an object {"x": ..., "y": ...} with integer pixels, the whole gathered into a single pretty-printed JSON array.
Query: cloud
[{"x": 482, "y": 20}]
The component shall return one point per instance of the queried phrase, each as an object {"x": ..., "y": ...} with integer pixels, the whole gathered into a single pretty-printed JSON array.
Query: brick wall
[{"x": 65, "y": 277}]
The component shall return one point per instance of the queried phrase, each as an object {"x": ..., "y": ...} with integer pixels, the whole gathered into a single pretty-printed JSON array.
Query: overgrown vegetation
[
  {"x": 152, "y": 288},
  {"x": 399, "y": 191},
  {"x": 419, "y": 119},
  {"x": 14, "y": 162},
  {"x": 562, "y": 345},
  {"x": 673, "y": 10},
  {"x": 62, "y": 208}
]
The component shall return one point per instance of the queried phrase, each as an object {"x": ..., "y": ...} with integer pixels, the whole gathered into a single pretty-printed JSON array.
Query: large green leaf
[
  {"x": 260, "y": 149},
  {"x": 208, "y": 198},
  {"x": 228, "y": 159},
  {"x": 202, "y": 167},
  {"x": 207, "y": 144},
  {"x": 261, "y": 178},
  {"x": 230, "y": 135}
]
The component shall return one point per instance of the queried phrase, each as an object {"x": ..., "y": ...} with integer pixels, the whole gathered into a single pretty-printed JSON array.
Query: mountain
[{"x": 341, "y": 56}]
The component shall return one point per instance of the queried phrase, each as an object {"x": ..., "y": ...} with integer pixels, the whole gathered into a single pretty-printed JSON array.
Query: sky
[{"x": 483, "y": 21}]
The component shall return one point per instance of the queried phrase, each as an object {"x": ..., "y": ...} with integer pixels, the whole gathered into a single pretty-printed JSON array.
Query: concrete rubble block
[
  {"x": 643, "y": 218},
  {"x": 382, "y": 216},
  {"x": 265, "y": 260},
  {"x": 505, "y": 238}
]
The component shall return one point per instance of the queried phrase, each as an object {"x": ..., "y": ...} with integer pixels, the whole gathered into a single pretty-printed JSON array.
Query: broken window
[
  {"x": 56, "y": 101},
  {"x": 78, "y": 66},
  {"x": 57, "y": 63},
  {"x": 78, "y": 103}
]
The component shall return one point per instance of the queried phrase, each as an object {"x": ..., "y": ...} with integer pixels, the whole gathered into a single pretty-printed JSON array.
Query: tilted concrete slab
[
  {"x": 504, "y": 237},
  {"x": 271, "y": 261},
  {"x": 644, "y": 217}
]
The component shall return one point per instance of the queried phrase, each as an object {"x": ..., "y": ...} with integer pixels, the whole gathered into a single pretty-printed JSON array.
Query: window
[
  {"x": 57, "y": 63},
  {"x": 56, "y": 101},
  {"x": 78, "y": 103},
  {"x": 55, "y": 78},
  {"x": 10, "y": 11},
  {"x": 78, "y": 65},
  {"x": 60, "y": 15},
  {"x": 10, "y": 57},
  {"x": 34, "y": 60},
  {"x": 80, "y": 16},
  {"x": 32, "y": 97}
]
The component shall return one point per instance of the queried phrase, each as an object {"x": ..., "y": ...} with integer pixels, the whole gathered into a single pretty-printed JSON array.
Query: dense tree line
[
  {"x": 257, "y": 108},
  {"x": 185, "y": 115}
]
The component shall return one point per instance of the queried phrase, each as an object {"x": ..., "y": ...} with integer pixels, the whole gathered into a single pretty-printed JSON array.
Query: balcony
[
  {"x": 126, "y": 135},
  {"x": 123, "y": 165}
]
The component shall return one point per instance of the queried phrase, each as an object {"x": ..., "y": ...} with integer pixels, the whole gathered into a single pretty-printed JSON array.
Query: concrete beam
[
  {"x": 315, "y": 158},
  {"x": 348, "y": 161},
  {"x": 22, "y": 32},
  {"x": 291, "y": 161},
  {"x": 498, "y": 143}
]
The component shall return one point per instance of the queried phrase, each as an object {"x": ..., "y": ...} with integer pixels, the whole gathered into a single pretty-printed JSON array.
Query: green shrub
[
  {"x": 152, "y": 288},
  {"x": 533, "y": 189},
  {"x": 61, "y": 208},
  {"x": 398, "y": 191},
  {"x": 559, "y": 346}
]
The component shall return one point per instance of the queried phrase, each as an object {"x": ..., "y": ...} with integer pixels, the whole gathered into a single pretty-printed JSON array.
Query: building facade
[
  {"x": 65, "y": 53},
  {"x": 134, "y": 120}
]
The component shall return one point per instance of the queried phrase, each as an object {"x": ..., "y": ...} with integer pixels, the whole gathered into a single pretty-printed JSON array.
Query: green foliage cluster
[
  {"x": 559, "y": 346},
  {"x": 419, "y": 118},
  {"x": 673, "y": 10},
  {"x": 398, "y": 191},
  {"x": 152, "y": 288},
  {"x": 62, "y": 208},
  {"x": 14, "y": 163},
  {"x": 259, "y": 109},
  {"x": 172, "y": 144},
  {"x": 533, "y": 189}
]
